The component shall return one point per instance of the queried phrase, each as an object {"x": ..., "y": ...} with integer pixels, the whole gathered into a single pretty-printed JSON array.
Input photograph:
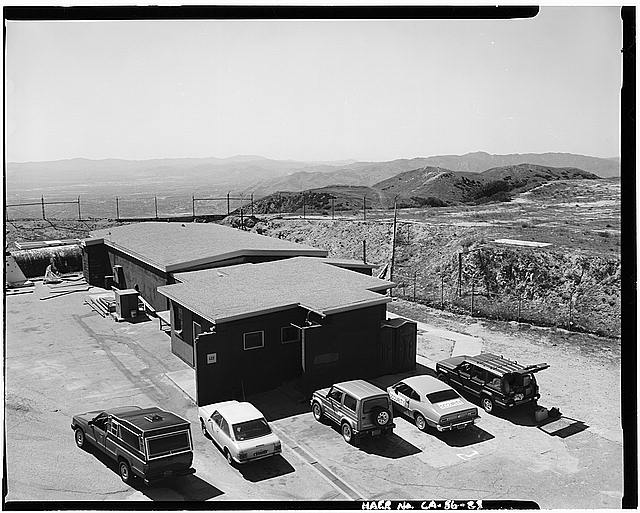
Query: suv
[
  {"x": 494, "y": 379},
  {"x": 150, "y": 443},
  {"x": 358, "y": 407}
]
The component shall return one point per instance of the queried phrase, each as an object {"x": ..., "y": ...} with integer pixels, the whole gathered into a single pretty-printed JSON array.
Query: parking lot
[{"x": 62, "y": 358}]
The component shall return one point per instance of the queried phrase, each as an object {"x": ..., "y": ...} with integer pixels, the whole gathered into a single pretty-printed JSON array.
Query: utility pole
[{"x": 393, "y": 241}]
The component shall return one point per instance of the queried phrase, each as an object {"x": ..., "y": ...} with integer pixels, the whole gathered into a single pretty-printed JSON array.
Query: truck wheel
[
  {"x": 421, "y": 423},
  {"x": 381, "y": 417},
  {"x": 79, "y": 436},
  {"x": 347, "y": 432},
  {"x": 487, "y": 404},
  {"x": 125, "y": 471},
  {"x": 317, "y": 412}
]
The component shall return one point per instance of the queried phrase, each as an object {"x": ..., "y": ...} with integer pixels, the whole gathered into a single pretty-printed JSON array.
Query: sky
[{"x": 314, "y": 90}]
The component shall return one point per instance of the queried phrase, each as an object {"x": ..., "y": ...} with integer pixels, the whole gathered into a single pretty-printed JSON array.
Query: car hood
[
  {"x": 86, "y": 417},
  {"x": 452, "y": 363},
  {"x": 322, "y": 392}
]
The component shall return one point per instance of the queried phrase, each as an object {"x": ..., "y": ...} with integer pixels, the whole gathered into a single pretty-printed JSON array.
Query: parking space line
[{"x": 306, "y": 456}]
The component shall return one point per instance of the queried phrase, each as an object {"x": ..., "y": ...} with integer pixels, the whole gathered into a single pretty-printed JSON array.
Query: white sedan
[
  {"x": 240, "y": 430},
  {"x": 430, "y": 402}
]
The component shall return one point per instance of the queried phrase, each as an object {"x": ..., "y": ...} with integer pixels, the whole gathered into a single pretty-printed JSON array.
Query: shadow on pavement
[
  {"x": 390, "y": 379},
  {"x": 562, "y": 426},
  {"x": 463, "y": 437},
  {"x": 185, "y": 488},
  {"x": 265, "y": 469},
  {"x": 389, "y": 446}
]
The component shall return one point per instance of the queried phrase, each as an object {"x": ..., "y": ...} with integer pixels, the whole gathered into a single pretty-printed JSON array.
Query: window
[
  {"x": 289, "y": 334},
  {"x": 114, "y": 427},
  {"x": 350, "y": 402},
  {"x": 251, "y": 429},
  {"x": 130, "y": 438},
  {"x": 177, "y": 317},
  {"x": 216, "y": 417},
  {"x": 253, "y": 340},
  {"x": 442, "y": 395},
  {"x": 335, "y": 395},
  {"x": 415, "y": 395},
  {"x": 168, "y": 444},
  {"x": 225, "y": 427},
  {"x": 197, "y": 329}
]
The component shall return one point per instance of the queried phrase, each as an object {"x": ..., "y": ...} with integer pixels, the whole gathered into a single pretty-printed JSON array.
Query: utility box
[{"x": 126, "y": 303}]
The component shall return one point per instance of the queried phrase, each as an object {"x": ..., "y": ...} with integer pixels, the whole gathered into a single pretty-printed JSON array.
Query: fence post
[
  {"x": 42, "y": 199},
  {"x": 459, "y": 274},
  {"x": 442, "y": 291},
  {"x": 79, "y": 216},
  {"x": 193, "y": 206},
  {"x": 332, "y": 208},
  {"x": 473, "y": 291},
  {"x": 415, "y": 278},
  {"x": 571, "y": 309},
  {"x": 364, "y": 251},
  {"x": 155, "y": 199},
  {"x": 117, "y": 208},
  {"x": 228, "y": 205},
  {"x": 364, "y": 207},
  {"x": 241, "y": 218},
  {"x": 519, "y": 300},
  {"x": 251, "y": 204},
  {"x": 304, "y": 208}
]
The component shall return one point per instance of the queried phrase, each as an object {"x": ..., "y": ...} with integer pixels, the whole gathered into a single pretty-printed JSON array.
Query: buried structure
[{"x": 249, "y": 327}]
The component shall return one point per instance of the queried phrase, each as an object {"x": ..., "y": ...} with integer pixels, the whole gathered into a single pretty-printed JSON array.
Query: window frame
[
  {"x": 344, "y": 402},
  {"x": 291, "y": 341},
  {"x": 244, "y": 340}
]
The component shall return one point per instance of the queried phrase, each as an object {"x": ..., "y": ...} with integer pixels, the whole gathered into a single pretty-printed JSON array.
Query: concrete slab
[
  {"x": 185, "y": 380},
  {"x": 463, "y": 344}
]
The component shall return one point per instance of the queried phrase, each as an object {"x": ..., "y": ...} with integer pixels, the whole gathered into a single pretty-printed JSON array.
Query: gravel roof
[
  {"x": 245, "y": 290},
  {"x": 175, "y": 246}
]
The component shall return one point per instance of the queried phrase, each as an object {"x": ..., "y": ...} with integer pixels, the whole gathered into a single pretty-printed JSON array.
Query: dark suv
[
  {"x": 149, "y": 443},
  {"x": 494, "y": 379}
]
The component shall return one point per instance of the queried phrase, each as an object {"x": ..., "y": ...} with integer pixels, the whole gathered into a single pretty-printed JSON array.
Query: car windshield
[
  {"x": 251, "y": 429},
  {"x": 442, "y": 395}
]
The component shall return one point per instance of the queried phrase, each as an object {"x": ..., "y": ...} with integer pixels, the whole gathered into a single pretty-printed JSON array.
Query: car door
[
  {"x": 213, "y": 426},
  {"x": 477, "y": 380},
  {"x": 400, "y": 395},
  {"x": 334, "y": 404},
  {"x": 225, "y": 437},
  {"x": 99, "y": 426}
]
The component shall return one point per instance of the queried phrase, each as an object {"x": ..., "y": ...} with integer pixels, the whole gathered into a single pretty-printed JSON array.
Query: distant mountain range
[
  {"x": 426, "y": 186},
  {"x": 262, "y": 176}
]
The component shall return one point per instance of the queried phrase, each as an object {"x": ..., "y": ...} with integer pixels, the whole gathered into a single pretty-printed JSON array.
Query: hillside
[{"x": 427, "y": 186}]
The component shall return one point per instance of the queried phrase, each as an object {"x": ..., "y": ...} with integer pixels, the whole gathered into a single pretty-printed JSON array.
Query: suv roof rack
[{"x": 502, "y": 366}]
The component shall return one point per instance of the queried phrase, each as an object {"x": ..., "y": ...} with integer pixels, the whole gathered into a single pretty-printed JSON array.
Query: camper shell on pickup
[{"x": 149, "y": 443}]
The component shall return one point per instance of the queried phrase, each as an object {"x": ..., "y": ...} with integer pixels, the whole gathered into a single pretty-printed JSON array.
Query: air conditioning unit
[{"x": 126, "y": 303}]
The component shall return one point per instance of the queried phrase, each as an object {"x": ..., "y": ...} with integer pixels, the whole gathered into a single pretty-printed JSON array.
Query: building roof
[
  {"x": 172, "y": 247},
  {"x": 245, "y": 290}
]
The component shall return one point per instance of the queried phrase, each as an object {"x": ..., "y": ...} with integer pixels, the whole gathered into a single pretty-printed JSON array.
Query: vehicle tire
[
  {"x": 347, "y": 432},
  {"x": 227, "y": 455},
  {"x": 421, "y": 423},
  {"x": 442, "y": 377},
  {"x": 125, "y": 471},
  {"x": 317, "y": 412},
  {"x": 487, "y": 404},
  {"x": 381, "y": 417},
  {"x": 204, "y": 429},
  {"x": 79, "y": 437}
]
